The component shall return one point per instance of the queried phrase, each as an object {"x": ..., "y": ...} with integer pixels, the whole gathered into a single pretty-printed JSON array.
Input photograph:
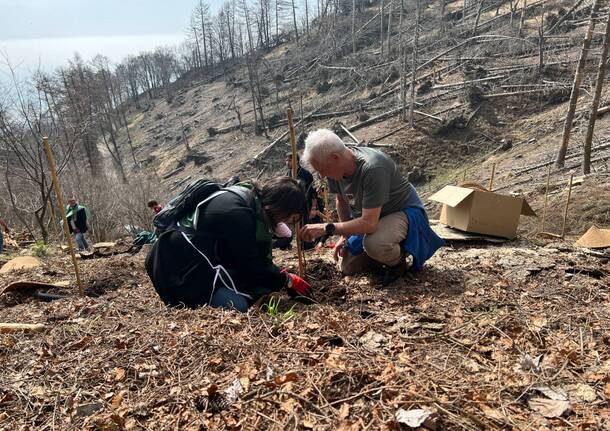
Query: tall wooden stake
[
  {"x": 293, "y": 144},
  {"x": 565, "y": 211},
  {"x": 62, "y": 210},
  {"x": 546, "y": 198},
  {"x": 491, "y": 179}
]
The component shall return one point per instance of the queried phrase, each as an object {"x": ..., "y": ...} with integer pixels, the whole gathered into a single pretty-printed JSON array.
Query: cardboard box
[{"x": 481, "y": 211}]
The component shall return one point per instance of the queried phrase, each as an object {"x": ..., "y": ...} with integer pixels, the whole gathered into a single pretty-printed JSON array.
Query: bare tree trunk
[
  {"x": 513, "y": 9},
  {"x": 442, "y": 20},
  {"x": 400, "y": 24},
  {"x": 307, "y": 17},
  {"x": 522, "y": 17},
  {"x": 601, "y": 71},
  {"x": 476, "y": 21},
  {"x": 277, "y": 23},
  {"x": 414, "y": 67},
  {"x": 129, "y": 140},
  {"x": 353, "y": 26},
  {"x": 205, "y": 46},
  {"x": 567, "y": 128},
  {"x": 403, "y": 84},
  {"x": 390, "y": 30},
  {"x": 294, "y": 20},
  {"x": 381, "y": 12},
  {"x": 541, "y": 42},
  {"x": 184, "y": 137}
]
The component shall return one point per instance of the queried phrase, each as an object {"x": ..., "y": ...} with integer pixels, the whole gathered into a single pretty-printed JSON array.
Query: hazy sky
[{"x": 48, "y": 32}]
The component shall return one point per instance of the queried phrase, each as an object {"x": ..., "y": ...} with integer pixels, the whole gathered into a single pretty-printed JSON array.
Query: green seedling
[
  {"x": 40, "y": 249},
  {"x": 273, "y": 309}
]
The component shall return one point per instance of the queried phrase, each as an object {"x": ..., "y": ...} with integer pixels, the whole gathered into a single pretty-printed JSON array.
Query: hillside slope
[{"x": 484, "y": 93}]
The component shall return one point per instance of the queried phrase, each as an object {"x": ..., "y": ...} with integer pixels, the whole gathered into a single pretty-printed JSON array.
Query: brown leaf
[
  {"x": 289, "y": 405},
  {"x": 119, "y": 374},
  {"x": 549, "y": 408},
  {"x": 116, "y": 401},
  {"x": 289, "y": 377},
  {"x": 344, "y": 411},
  {"x": 80, "y": 343},
  {"x": 307, "y": 424},
  {"x": 214, "y": 361}
]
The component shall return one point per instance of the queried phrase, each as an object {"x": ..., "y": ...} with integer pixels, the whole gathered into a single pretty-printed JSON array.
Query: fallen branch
[
  {"x": 6, "y": 328},
  {"x": 457, "y": 84},
  {"x": 385, "y": 135},
  {"x": 550, "y": 162},
  {"x": 564, "y": 16},
  {"x": 349, "y": 133},
  {"x": 515, "y": 93},
  {"x": 389, "y": 114}
]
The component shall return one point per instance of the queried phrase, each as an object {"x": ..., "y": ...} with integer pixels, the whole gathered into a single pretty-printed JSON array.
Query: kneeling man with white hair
[{"x": 386, "y": 220}]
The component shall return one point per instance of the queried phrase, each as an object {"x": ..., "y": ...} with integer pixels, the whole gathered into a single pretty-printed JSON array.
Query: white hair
[{"x": 319, "y": 145}]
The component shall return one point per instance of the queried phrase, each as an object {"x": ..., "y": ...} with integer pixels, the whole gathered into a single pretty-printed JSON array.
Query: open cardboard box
[{"x": 481, "y": 211}]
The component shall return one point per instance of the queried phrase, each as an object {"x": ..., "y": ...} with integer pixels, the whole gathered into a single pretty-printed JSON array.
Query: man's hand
[
  {"x": 76, "y": 230},
  {"x": 309, "y": 232},
  {"x": 339, "y": 249}
]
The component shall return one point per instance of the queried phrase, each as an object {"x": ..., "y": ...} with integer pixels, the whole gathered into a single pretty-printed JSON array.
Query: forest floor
[{"x": 511, "y": 336}]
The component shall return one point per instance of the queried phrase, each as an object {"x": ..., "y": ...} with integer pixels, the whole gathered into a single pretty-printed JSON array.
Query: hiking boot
[{"x": 393, "y": 273}]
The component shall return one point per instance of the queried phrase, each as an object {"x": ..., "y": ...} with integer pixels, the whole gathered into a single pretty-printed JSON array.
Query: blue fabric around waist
[{"x": 421, "y": 241}]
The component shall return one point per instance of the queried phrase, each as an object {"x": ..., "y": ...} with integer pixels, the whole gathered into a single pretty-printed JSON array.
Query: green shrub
[{"x": 40, "y": 249}]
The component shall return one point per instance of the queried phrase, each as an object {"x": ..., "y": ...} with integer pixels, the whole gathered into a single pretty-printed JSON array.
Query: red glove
[
  {"x": 296, "y": 285},
  {"x": 76, "y": 230}
]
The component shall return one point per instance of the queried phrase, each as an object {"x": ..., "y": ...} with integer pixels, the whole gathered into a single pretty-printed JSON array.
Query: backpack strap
[
  {"x": 242, "y": 192},
  {"x": 201, "y": 204}
]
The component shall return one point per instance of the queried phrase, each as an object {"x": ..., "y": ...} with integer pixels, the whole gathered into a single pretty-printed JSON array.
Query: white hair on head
[{"x": 319, "y": 145}]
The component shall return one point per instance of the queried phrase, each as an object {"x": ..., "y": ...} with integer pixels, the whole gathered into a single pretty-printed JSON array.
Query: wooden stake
[
  {"x": 491, "y": 179},
  {"x": 293, "y": 144},
  {"x": 565, "y": 211},
  {"x": 62, "y": 210},
  {"x": 546, "y": 197}
]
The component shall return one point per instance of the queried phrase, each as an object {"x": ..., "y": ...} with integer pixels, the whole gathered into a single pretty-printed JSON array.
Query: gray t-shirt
[{"x": 376, "y": 182}]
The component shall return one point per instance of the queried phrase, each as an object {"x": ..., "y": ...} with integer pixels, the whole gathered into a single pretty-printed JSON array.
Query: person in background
[
  {"x": 154, "y": 205},
  {"x": 6, "y": 230},
  {"x": 77, "y": 216},
  {"x": 386, "y": 221}
]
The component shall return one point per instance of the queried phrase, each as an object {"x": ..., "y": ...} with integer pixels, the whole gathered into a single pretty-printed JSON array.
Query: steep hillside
[{"x": 483, "y": 98}]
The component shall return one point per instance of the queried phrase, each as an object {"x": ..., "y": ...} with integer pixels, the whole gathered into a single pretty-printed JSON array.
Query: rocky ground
[{"x": 511, "y": 336}]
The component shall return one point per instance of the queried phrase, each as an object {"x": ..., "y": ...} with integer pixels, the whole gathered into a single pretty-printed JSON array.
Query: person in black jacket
[
  {"x": 221, "y": 254},
  {"x": 77, "y": 216}
]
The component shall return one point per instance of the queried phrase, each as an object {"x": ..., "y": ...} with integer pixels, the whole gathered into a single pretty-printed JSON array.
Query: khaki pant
[{"x": 382, "y": 246}]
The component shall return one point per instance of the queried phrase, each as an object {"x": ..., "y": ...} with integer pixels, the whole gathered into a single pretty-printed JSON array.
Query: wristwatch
[{"x": 329, "y": 229}]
